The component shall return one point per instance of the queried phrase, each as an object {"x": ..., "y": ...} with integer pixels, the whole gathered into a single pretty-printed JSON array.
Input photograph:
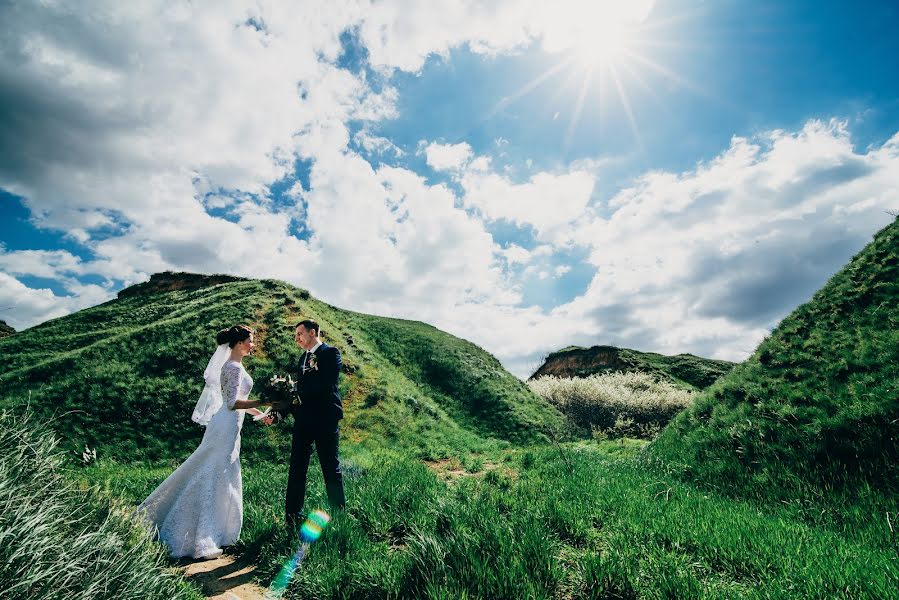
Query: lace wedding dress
[{"x": 199, "y": 508}]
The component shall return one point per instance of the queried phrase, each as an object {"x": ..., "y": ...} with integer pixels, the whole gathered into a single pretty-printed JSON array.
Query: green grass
[
  {"x": 61, "y": 541},
  {"x": 585, "y": 520},
  {"x": 816, "y": 407}
]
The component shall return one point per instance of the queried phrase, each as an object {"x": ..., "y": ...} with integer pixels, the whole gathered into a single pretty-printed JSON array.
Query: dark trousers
[{"x": 326, "y": 436}]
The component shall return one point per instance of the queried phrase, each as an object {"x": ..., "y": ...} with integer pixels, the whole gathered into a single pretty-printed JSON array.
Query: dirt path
[{"x": 225, "y": 578}]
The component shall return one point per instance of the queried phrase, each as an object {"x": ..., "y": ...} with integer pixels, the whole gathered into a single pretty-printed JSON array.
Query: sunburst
[{"x": 604, "y": 46}]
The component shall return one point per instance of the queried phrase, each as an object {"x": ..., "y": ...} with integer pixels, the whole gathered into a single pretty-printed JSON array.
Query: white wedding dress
[{"x": 198, "y": 509}]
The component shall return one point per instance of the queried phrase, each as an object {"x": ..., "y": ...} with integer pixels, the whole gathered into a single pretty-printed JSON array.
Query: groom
[{"x": 315, "y": 420}]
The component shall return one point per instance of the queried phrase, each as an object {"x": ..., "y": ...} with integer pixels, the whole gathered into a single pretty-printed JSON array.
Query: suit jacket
[{"x": 317, "y": 386}]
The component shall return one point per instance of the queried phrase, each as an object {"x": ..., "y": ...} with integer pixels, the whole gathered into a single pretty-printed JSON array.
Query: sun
[
  {"x": 605, "y": 30},
  {"x": 603, "y": 44},
  {"x": 604, "y": 48}
]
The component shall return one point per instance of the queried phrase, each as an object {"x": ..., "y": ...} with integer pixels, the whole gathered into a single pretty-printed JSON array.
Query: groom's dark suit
[{"x": 316, "y": 421}]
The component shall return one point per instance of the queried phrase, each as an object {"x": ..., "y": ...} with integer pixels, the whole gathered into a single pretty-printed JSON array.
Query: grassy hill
[
  {"x": 686, "y": 370},
  {"x": 122, "y": 377},
  {"x": 817, "y": 404}
]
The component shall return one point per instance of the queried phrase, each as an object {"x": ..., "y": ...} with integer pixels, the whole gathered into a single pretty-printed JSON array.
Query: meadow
[
  {"x": 778, "y": 481},
  {"x": 581, "y": 520}
]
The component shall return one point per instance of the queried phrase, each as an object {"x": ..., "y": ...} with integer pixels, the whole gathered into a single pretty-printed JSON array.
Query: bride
[{"x": 198, "y": 509}]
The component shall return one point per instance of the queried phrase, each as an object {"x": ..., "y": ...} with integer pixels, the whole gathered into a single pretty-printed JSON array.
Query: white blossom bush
[{"x": 615, "y": 404}]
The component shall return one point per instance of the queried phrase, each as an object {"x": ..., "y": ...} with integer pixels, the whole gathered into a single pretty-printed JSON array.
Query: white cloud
[
  {"x": 447, "y": 157},
  {"x": 710, "y": 259},
  {"x": 516, "y": 254},
  {"x": 377, "y": 145},
  {"x": 129, "y": 114},
  {"x": 401, "y": 34},
  {"x": 127, "y": 123},
  {"x": 481, "y": 163},
  {"x": 547, "y": 202},
  {"x": 24, "y": 306},
  {"x": 49, "y": 264},
  {"x": 399, "y": 242}
]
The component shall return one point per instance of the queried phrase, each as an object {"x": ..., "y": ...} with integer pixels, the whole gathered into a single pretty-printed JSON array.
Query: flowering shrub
[{"x": 615, "y": 404}]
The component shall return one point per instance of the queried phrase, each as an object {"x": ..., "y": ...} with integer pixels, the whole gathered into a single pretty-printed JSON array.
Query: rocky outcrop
[
  {"x": 582, "y": 362},
  {"x": 5, "y": 330},
  {"x": 169, "y": 281}
]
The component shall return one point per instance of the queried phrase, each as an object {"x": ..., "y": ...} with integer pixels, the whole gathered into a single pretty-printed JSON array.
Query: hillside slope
[
  {"x": 574, "y": 361},
  {"x": 818, "y": 401},
  {"x": 123, "y": 376}
]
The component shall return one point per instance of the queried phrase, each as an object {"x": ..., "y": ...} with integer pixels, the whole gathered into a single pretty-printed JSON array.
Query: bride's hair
[{"x": 232, "y": 335}]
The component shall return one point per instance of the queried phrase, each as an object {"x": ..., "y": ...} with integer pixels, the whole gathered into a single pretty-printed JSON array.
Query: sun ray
[
  {"x": 565, "y": 85},
  {"x": 610, "y": 52},
  {"x": 658, "y": 24},
  {"x": 626, "y": 104},
  {"x": 635, "y": 76},
  {"x": 669, "y": 74},
  {"x": 578, "y": 108},
  {"x": 528, "y": 87}
]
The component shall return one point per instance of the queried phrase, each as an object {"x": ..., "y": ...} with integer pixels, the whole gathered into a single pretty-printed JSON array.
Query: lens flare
[
  {"x": 311, "y": 529},
  {"x": 313, "y": 526}
]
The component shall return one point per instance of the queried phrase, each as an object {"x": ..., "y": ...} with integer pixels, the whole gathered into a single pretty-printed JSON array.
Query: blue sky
[
  {"x": 750, "y": 66},
  {"x": 526, "y": 177}
]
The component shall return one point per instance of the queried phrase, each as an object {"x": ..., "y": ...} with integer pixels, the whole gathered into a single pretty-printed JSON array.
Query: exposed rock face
[
  {"x": 5, "y": 329},
  {"x": 583, "y": 362},
  {"x": 169, "y": 282}
]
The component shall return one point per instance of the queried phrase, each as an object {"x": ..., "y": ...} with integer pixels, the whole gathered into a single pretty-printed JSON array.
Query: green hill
[
  {"x": 818, "y": 401},
  {"x": 122, "y": 377},
  {"x": 684, "y": 369},
  {"x": 483, "y": 516}
]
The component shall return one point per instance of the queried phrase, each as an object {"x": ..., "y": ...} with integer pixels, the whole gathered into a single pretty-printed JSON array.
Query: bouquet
[{"x": 279, "y": 389}]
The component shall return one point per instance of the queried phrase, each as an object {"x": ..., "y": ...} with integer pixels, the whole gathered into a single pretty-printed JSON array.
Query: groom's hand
[{"x": 282, "y": 406}]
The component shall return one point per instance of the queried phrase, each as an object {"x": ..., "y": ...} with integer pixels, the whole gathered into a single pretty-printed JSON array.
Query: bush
[
  {"x": 60, "y": 542},
  {"x": 615, "y": 404}
]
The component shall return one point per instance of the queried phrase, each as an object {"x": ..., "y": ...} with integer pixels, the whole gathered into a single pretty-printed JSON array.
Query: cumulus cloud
[
  {"x": 25, "y": 306},
  {"x": 123, "y": 114},
  {"x": 374, "y": 144},
  {"x": 48, "y": 264},
  {"x": 710, "y": 259},
  {"x": 151, "y": 135},
  {"x": 402, "y": 35},
  {"x": 447, "y": 157},
  {"x": 548, "y": 202},
  {"x": 127, "y": 123},
  {"x": 515, "y": 254},
  {"x": 387, "y": 240}
]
